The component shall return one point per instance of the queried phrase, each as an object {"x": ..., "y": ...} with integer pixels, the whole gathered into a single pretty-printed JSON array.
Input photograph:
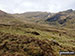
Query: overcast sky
[{"x": 20, "y": 6}]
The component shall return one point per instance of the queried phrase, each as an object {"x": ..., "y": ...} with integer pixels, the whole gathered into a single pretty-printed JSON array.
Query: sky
[{"x": 20, "y": 6}]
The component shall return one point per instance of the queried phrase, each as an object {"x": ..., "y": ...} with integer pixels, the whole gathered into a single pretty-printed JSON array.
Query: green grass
[{"x": 65, "y": 40}]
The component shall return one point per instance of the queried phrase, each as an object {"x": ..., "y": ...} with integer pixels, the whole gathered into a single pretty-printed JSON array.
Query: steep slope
[
  {"x": 6, "y": 18},
  {"x": 65, "y": 18},
  {"x": 2, "y": 13}
]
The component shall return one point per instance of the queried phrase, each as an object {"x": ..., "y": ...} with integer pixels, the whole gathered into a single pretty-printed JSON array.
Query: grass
[{"x": 65, "y": 41}]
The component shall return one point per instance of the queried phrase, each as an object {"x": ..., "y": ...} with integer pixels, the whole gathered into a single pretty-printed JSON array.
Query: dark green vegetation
[{"x": 37, "y": 33}]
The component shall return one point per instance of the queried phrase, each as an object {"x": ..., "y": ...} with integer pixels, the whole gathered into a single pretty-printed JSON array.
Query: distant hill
[
  {"x": 64, "y": 18},
  {"x": 6, "y": 18},
  {"x": 5, "y": 15},
  {"x": 36, "y": 17}
]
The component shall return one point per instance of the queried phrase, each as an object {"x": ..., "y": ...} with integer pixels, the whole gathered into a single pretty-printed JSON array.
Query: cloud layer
[{"x": 20, "y": 6}]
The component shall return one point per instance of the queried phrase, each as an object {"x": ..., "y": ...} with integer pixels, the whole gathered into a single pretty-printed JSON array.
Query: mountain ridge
[
  {"x": 60, "y": 18},
  {"x": 32, "y": 34}
]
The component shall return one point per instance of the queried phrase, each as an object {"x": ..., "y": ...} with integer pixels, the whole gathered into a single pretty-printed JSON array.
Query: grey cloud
[{"x": 20, "y": 6}]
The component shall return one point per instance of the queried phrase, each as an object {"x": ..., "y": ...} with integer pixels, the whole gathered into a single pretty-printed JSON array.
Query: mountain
[
  {"x": 7, "y": 18},
  {"x": 2, "y": 12},
  {"x": 64, "y": 18},
  {"x": 37, "y": 33},
  {"x": 37, "y": 17}
]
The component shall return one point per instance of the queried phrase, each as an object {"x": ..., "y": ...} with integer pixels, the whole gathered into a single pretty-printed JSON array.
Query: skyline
[{"x": 21, "y": 6}]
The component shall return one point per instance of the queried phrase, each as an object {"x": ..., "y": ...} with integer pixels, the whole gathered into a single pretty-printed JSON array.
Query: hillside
[
  {"x": 64, "y": 18},
  {"x": 6, "y": 18},
  {"x": 21, "y": 35},
  {"x": 36, "y": 17}
]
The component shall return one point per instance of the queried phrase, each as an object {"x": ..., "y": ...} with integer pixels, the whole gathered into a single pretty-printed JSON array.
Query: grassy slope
[
  {"x": 60, "y": 39},
  {"x": 42, "y": 39}
]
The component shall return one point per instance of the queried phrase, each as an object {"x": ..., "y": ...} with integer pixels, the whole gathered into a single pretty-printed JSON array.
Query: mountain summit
[
  {"x": 69, "y": 10},
  {"x": 65, "y": 18}
]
